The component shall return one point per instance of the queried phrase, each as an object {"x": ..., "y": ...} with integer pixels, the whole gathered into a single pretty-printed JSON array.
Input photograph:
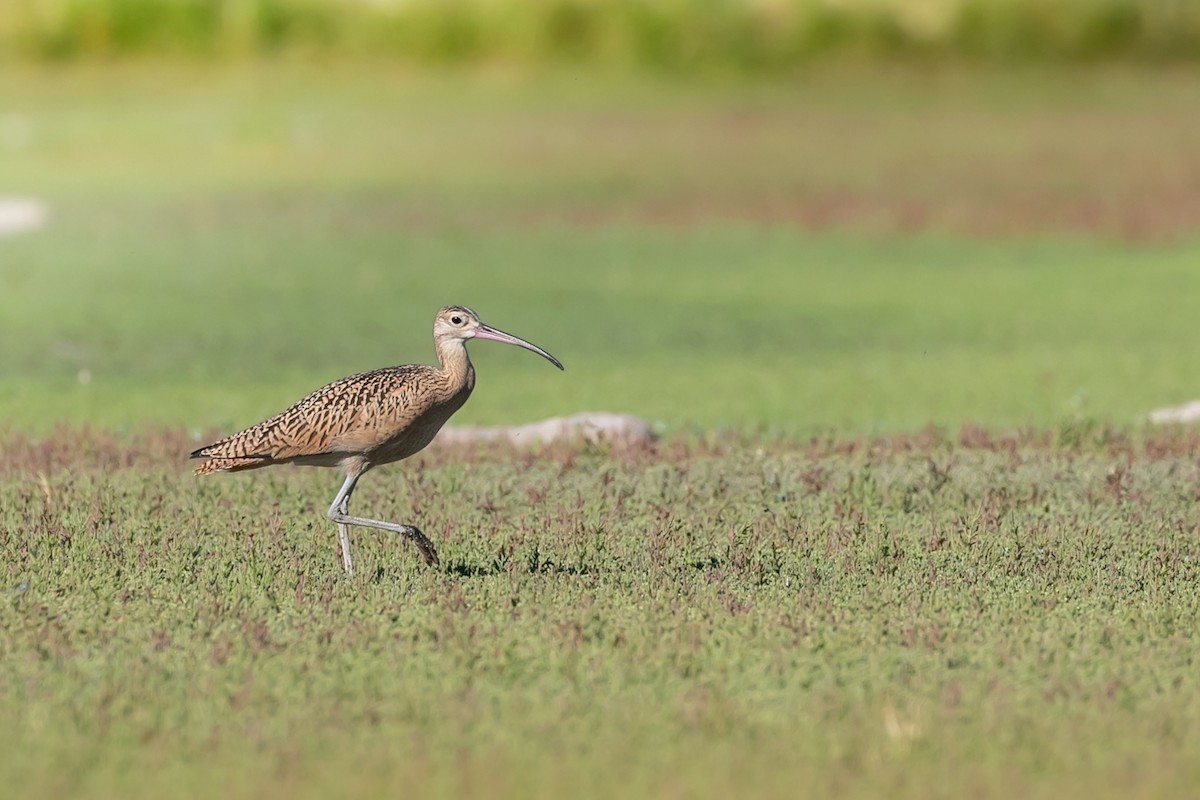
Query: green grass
[
  {"x": 984, "y": 615},
  {"x": 890, "y": 618},
  {"x": 785, "y": 258},
  {"x": 734, "y": 328}
]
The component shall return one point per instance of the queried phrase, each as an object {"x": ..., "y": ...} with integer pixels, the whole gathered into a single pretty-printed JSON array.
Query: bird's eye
[{"x": 456, "y": 320}]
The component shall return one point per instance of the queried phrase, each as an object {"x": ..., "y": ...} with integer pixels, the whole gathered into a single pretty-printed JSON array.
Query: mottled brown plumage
[
  {"x": 359, "y": 421},
  {"x": 365, "y": 420}
]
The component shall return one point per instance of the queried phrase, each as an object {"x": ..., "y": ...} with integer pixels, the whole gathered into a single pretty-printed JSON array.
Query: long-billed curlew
[{"x": 366, "y": 420}]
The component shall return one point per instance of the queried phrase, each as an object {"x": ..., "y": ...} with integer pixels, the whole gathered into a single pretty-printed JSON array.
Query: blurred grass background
[
  {"x": 780, "y": 216},
  {"x": 672, "y": 34},
  {"x": 846, "y": 250}
]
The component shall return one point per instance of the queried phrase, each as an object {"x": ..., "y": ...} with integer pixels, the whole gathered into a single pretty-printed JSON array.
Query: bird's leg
[
  {"x": 338, "y": 508},
  {"x": 338, "y": 513},
  {"x": 344, "y": 545},
  {"x": 410, "y": 532}
]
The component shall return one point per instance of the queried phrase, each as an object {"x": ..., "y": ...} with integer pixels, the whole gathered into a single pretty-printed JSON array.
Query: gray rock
[{"x": 590, "y": 426}]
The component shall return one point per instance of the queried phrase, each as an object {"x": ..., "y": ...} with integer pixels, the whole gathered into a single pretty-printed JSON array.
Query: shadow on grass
[{"x": 463, "y": 569}]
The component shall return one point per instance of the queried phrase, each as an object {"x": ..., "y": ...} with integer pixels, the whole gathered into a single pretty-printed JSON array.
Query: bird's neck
[{"x": 456, "y": 364}]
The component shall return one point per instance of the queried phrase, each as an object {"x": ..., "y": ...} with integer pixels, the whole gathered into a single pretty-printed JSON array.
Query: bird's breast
[{"x": 416, "y": 424}]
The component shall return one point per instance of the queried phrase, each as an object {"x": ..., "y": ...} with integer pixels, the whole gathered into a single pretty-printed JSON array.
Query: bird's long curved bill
[{"x": 484, "y": 332}]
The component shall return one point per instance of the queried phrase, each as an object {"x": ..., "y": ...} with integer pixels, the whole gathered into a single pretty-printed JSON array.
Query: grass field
[
  {"x": 904, "y": 617},
  {"x": 803, "y": 588}
]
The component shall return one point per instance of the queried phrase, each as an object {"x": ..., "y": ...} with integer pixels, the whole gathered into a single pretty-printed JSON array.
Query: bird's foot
[{"x": 423, "y": 545}]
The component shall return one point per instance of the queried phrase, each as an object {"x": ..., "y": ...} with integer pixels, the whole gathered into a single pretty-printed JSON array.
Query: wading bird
[{"x": 365, "y": 420}]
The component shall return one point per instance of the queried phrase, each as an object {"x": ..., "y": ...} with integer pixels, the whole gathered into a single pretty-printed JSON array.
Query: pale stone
[
  {"x": 591, "y": 426},
  {"x": 1188, "y": 412},
  {"x": 21, "y": 214}
]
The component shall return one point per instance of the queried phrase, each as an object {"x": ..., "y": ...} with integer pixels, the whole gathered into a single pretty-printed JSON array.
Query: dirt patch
[
  {"x": 1100, "y": 158},
  {"x": 1155, "y": 217},
  {"x": 28, "y": 457}
]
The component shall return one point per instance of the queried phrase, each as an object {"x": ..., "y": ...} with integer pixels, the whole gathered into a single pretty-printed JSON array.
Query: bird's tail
[
  {"x": 231, "y": 464},
  {"x": 218, "y": 458}
]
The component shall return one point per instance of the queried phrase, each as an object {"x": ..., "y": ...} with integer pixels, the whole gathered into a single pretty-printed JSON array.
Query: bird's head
[{"x": 459, "y": 323}]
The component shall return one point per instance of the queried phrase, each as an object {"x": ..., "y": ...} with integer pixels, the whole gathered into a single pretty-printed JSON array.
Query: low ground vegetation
[{"x": 910, "y": 616}]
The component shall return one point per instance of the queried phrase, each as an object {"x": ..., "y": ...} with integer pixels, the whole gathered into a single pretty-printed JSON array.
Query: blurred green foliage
[{"x": 664, "y": 34}]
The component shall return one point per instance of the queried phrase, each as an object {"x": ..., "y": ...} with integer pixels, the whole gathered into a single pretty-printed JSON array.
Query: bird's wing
[{"x": 353, "y": 414}]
